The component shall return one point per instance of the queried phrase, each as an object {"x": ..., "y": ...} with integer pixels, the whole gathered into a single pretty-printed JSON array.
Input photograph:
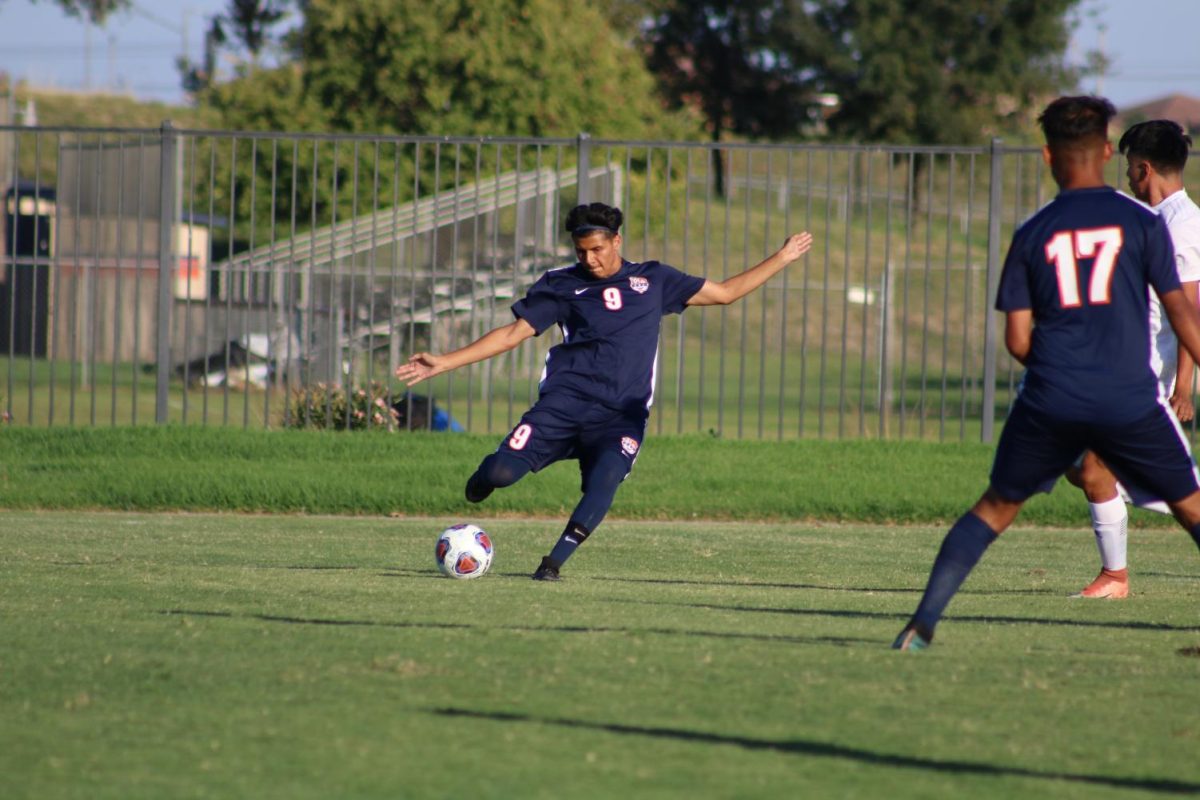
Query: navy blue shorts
[
  {"x": 1151, "y": 454},
  {"x": 558, "y": 428}
]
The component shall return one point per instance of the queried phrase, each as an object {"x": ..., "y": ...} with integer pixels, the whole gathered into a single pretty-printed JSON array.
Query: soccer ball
[{"x": 464, "y": 551}]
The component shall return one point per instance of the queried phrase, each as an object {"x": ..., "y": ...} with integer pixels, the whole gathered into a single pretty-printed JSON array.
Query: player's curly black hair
[
  {"x": 594, "y": 217},
  {"x": 1076, "y": 121},
  {"x": 1162, "y": 142}
]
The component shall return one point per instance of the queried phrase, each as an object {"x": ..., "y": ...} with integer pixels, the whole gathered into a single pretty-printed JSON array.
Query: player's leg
[
  {"x": 1110, "y": 522},
  {"x": 961, "y": 550},
  {"x": 604, "y": 463},
  {"x": 1187, "y": 511},
  {"x": 1152, "y": 457},
  {"x": 541, "y": 437},
  {"x": 600, "y": 485},
  {"x": 1033, "y": 451},
  {"x": 498, "y": 470}
]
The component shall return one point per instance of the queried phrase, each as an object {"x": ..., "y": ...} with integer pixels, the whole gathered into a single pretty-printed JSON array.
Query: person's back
[
  {"x": 1075, "y": 291},
  {"x": 1082, "y": 265}
]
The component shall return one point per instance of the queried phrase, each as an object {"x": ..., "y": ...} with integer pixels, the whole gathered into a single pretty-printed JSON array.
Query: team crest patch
[
  {"x": 641, "y": 286},
  {"x": 629, "y": 445}
]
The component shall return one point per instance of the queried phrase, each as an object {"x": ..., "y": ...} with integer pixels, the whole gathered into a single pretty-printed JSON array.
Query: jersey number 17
[{"x": 1066, "y": 247}]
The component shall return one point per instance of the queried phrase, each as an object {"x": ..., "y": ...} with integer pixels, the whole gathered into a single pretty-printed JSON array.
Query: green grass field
[
  {"x": 183, "y": 655},
  {"x": 724, "y": 634}
]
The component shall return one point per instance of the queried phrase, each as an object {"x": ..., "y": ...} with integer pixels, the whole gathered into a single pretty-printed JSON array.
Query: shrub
[{"x": 328, "y": 406}]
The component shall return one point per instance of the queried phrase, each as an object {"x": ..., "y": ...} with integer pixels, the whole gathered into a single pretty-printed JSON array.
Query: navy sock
[
  {"x": 600, "y": 482},
  {"x": 961, "y": 550},
  {"x": 573, "y": 536},
  {"x": 1195, "y": 532}
]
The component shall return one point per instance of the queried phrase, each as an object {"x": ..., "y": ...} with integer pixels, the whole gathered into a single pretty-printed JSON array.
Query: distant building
[{"x": 1181, "y": 108}]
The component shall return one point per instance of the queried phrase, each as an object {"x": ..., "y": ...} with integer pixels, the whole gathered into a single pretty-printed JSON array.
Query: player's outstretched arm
[
  {"x": 1185, "y": 319},
  {"x": 423, "y": 366},
  {"x": 720, "y": 293}
]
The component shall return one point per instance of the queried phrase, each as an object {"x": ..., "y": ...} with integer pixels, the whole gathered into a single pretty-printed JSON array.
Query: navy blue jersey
[
  {"x": 1082, "y": 265},
  {"x": 609, "y": 327}
]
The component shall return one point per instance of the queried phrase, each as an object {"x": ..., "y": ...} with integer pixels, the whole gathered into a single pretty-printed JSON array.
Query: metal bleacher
[{"x": 317, "y": 250}]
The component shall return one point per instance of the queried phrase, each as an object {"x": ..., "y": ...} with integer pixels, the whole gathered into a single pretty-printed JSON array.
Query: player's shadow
[
  {"x": 1131, "y": 625},
  {"x": 810, "y": 748},
  {"x": 387, "y": 572},
  {"x": 813, "y": 586},
  {"x": 843, "y": 641},
  {"x": 402, "y": 572},
  {"x": 408, "y": 572}
]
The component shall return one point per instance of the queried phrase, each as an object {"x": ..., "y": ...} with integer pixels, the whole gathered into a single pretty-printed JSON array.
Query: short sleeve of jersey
[
  {"x": 1160, "y": 258},
  {"x": 1013, "y": 293},
  {"x": 540, "y": 306},
  {"x": 678, "y": 288},
  {"x": 1187, "y": 262},
  {"x": 1186, "y": 239}
]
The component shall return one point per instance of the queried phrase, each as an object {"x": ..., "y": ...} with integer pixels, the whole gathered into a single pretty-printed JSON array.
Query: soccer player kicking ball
[
  {"x": 1080, "y": 269},
  {"x": 598, "y": 383},
  {"x": 1156, "y": 153}
]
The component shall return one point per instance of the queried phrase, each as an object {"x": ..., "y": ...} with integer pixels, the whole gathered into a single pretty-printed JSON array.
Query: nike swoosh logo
[{"x": 581, "y": 291}]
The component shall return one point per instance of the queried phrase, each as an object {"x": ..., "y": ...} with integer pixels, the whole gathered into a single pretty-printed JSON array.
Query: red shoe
[{"x": 1110, "y": 584}]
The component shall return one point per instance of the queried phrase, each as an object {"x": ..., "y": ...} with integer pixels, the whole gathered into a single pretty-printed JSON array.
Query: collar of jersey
[
  {"x": 1174, "y": 199},
  {"x": 1089, "y": 190}
]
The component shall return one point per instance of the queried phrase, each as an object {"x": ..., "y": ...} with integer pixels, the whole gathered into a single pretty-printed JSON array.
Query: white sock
[{"x": 1110, "y": 520}]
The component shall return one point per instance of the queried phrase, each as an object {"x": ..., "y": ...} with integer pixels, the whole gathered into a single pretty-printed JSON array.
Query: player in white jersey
[{"x": 1156, "y": 153}]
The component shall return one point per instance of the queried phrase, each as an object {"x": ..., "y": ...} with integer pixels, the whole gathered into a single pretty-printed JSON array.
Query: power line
[
  {"x": 57, "y": 49},
  {"x": 144, "y": 13}
]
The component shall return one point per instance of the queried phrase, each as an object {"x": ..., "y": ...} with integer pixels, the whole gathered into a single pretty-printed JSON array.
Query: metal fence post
[
  {"x": 583, "y": 145},
  {"x": 995, "y": 198},
  {"x": 167, "y": 216}
]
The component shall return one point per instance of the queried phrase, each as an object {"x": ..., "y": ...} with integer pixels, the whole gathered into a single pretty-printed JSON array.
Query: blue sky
[{"x": 1152, "y": 44}]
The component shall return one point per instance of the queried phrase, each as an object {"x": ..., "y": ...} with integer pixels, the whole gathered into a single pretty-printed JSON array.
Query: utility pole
[{"x": 87, "y": 55}]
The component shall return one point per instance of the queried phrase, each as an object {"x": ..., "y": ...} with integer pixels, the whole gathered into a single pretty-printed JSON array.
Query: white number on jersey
[
  {"x": 520, "y": 437},
  {"x": 612, "y": 298},
  {"x": 1101, "y": 244}
]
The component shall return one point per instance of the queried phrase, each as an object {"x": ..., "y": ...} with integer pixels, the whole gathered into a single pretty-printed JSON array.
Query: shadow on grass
[
  {"x": 842, "y": 641},
  {"x": 400, "y": 572},
  {"x": 816, "y": 586},
  {"x": 827, "y": 612},
  {"x": 825, "y": 750}
]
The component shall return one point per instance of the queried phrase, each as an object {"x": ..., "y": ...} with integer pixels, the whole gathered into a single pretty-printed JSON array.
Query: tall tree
[
  {"x": 499, "y": 67},
  {"x": 250, "y": 22},
  {"x": 940, "y": 71},
  {"x": 744, "y": 64},
  {"x": 95, "y": 10},
  {"x": 446, "y": 67}
]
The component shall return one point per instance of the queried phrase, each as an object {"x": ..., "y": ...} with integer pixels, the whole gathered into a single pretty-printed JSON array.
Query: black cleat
[
  {"x": 546, "y": 571},
  {"x": 913, "y": 639},
  {"x": 478, "y": 491}
]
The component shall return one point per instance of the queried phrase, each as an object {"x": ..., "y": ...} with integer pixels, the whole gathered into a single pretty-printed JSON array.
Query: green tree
[
  {"x": 477, "y": 67},
  {"x": 940, "y": 71},
  {"x": 249, "y": 21},
  {"x": 95, "y": 10},
  {"x": 743, "y": 64},
  {"x": 450, "y": 67}
]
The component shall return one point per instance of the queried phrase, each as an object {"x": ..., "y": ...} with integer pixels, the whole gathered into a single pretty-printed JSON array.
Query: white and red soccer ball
[{"x": 464, "y": 551}]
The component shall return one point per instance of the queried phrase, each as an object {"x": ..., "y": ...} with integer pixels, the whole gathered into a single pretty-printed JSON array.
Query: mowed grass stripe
[
  {"x": 180, "y": 655},
  {"x": 414, "y": 474}
]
